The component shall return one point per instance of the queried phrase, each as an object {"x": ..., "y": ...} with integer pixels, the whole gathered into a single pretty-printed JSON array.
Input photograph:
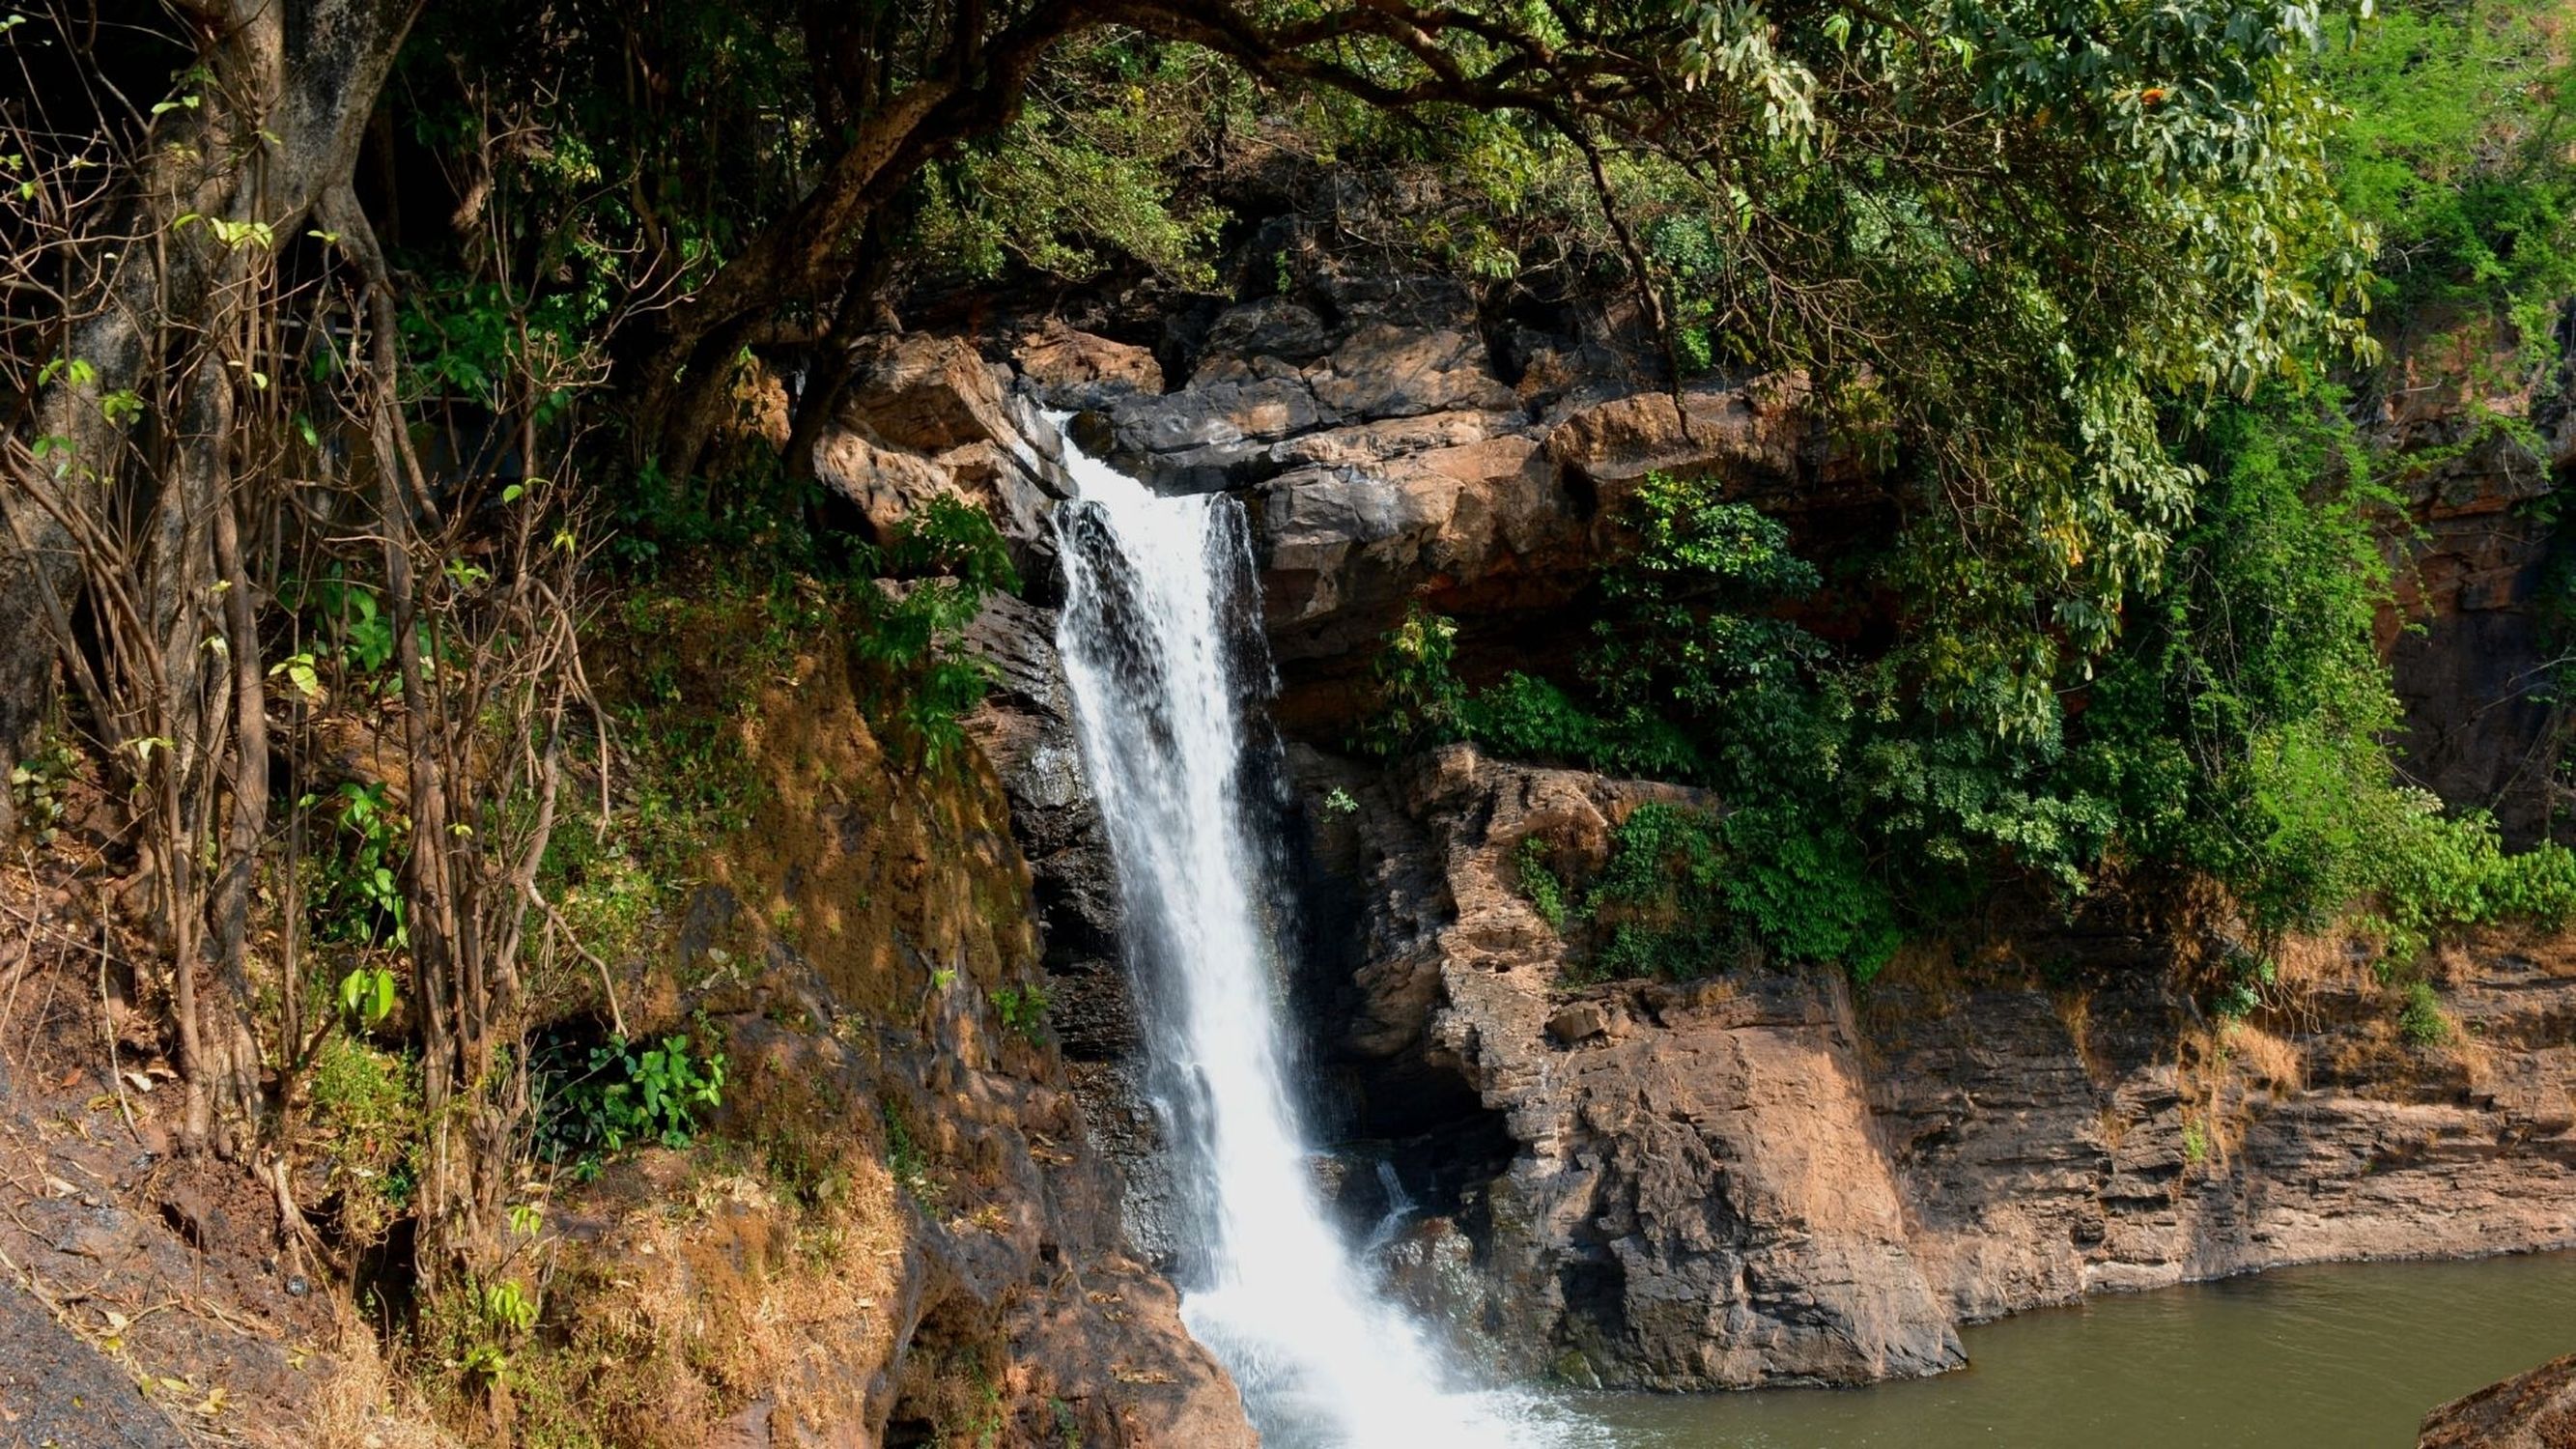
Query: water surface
[{"x": 2344, "y": 1356}]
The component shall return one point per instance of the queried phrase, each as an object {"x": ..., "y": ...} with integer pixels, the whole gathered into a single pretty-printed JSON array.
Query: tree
[{"x": 1998, "y": 235}]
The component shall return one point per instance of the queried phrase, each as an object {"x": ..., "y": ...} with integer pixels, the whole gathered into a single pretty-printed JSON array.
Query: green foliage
[
  {"x": 348, "y": 622},
  {"x": 366, "y": 1113},
  {"x": 357, "y": 893},
  {"x": 2453, "y": 145},
  {"x": 1806, "y": 893},
  {"x": 1683, "y": 886},
  {"x": 1657, "y": 896},
  {"x": 906, "y": 1161},
  {"x": 1022, "y": 1010},
  {"x": 1539, "y": 882},
  {"x": 2242, "y": 992},
  {"x": 911, "y": 634},
  {"x": 1685, "y": 890},
  {"x": 498, "y": 1314},
  {"x": 367, "y": 996},
  {"x": 2438, "y": 874},
  {"x": 507, "y": 1308},
  {"x": 622, "y": 1097},
  {"x": 2421, "y": 1019},
  {"x": 39, "y": 787},
  {"x": 1088, "y": 173},
  {"x": 1527, "y": 717},
  {"x": 1420, "y": 701}
]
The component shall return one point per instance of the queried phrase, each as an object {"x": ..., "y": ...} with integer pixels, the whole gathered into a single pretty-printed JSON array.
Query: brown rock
[
  {"x": 927, "y": 395},
  {"x": 1579, "y": 1022},
  {"x": 1760, "y": 427},
  {"x": 1749, "y": 1179},
  {"x": 1345, "y": 548},
  {"x": 1081, "y": 368},
  {"x": 885, "y": 484},
  {"x": 1698, "y": 1205},
  {"x": 1384, "y": 371},
  {"x": 2536, "y": 1410}
]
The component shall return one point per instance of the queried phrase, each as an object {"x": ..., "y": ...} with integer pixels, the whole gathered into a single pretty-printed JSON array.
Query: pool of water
[{"x": 2346, "y": 1356}]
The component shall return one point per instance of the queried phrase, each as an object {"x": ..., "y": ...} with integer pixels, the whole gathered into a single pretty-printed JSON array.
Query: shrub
[
  {"x": 1539, "y": 883},
  {"x": 1420, "y": 702},
  {"x": 366, "y": 1111},
  {"x": 624, "y": 1096},
  {"x": 1804, "y": 891},
  {"x": 1023, "y": 1012},
  {"x": 940, "y": 566},
  {"x": 2421, "y": 1019}
]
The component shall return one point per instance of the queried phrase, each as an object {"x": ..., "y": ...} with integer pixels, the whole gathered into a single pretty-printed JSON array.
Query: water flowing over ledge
[{"x": 1168, "y": 671}]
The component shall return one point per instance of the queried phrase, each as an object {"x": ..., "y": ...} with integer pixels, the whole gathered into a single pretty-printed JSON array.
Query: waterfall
[{"x": 1162, "y": 646}]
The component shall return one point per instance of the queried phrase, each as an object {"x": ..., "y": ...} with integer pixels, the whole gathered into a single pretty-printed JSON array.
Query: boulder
[
  {"x": 1383, "y": 371},
  {"x": 1273, "y": 329},
  {"x": 1215, "y": 415},
  {"x": 2536, "y": 1410},
  {"x": 885, "y": 484},
  {"x": 1346, "y": 546},
  {"x": 926, "y": 394},
  {"x": 1760, "y": 427},
  {"x": 926, "y": 417},
  {"x": 1073, "y": 369}
]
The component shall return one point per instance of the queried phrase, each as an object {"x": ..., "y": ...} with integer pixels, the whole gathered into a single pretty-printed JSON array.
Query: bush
[
  {"x": 2421, "y": 1020},
  {"x": 1420, "y": 701},
  {"x": 623, "y": 1097},
  {"x": 366, "y": 1110},
  {"x": 1525, "y": 717},
  {"x": 1806, "y": 893},
  {"x": 1023, "y": 1012},
  {"x": 1539, "y": 883},
  {"x": 940, "y": 566},
  {"x": 1684, "y": 888}
]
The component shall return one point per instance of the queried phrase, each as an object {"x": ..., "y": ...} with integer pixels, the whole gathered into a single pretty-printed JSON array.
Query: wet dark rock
[
  {"x": 57, "y": 1390},
  {"x": 1025, "y": 727}
]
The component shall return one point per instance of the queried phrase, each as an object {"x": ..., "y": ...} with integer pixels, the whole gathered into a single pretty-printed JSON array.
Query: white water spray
[{"x": 1161, "y": 643}]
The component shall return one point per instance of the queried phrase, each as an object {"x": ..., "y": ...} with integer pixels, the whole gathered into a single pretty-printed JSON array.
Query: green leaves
[
  {"x": 367, "y": 996},
  {"x": 910, "y": 628},
  {"x": 623, "y": 1097},
  {"x": 300, "y": 672}
]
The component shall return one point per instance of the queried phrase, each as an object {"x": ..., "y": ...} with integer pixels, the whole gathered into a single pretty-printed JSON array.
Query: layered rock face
[
  {"x": 1752, "y": 1179},
  {"x": 2536, "y": 1410},
  {"x": 1386, "y": 456}
]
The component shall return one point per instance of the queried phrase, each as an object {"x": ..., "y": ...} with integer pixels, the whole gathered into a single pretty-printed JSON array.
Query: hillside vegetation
[{"x": 410, "y": 502}]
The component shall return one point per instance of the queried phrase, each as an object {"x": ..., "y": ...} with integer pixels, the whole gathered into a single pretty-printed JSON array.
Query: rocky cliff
[{"x": 1756, "y": 1179}]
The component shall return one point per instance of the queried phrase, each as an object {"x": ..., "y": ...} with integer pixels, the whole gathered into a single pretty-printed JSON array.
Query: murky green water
[{"x": 2341, "y": 1357}]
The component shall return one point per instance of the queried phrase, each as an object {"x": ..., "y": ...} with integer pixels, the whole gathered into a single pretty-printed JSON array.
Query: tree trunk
[{"x": 144, "y": 517}]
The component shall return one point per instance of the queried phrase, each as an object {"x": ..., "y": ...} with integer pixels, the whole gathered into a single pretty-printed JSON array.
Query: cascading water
[{"x": 1161, "y": 645}]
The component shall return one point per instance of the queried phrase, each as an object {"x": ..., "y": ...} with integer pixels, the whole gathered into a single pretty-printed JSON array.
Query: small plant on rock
[
  {"x": 2421, "y": 1020},
  {"x": 1023, "y": 1011}
]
